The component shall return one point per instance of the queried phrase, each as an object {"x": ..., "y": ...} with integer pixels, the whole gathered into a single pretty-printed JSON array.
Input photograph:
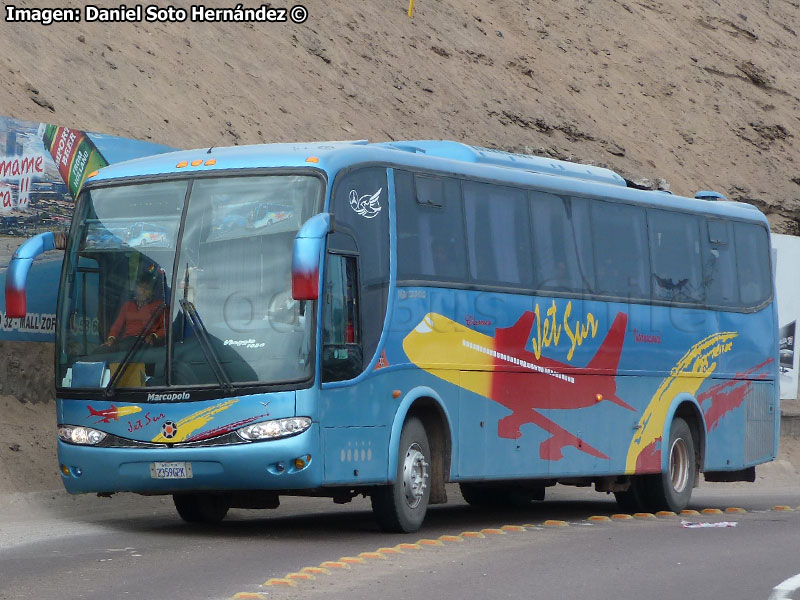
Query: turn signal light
[{"x": 312, "y": 159}]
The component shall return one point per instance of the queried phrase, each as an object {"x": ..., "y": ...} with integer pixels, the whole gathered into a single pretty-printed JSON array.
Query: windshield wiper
[
  {"x": 137, "y": 342},
  {"x": 211, "y": 356}
]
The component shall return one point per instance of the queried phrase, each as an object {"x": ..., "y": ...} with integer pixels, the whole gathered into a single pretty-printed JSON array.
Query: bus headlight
[
  {"x": 84, "y": 436},
  {"x": 278, "y": 428}
]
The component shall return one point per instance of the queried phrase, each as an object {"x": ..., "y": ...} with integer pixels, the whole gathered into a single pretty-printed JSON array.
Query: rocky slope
[{"x": 694, "y": 95}]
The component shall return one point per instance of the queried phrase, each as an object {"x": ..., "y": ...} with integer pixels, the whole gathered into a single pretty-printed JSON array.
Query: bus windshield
[{"x": 180, "y": 283}]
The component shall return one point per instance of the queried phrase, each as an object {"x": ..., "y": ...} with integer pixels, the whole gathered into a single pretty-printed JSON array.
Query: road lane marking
[
  {"x": 555, "y": 523},
  {"x": 281, "y": 581},
  {"x": 785, "y": 590}
]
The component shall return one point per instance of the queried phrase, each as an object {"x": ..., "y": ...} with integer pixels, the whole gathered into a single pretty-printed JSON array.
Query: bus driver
[{"x": 134, "y": 315}]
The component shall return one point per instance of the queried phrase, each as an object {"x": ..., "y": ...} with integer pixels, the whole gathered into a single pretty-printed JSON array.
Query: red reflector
[
  {"x": 16, "y": 304},
  {"x": 305, "y": 286}
]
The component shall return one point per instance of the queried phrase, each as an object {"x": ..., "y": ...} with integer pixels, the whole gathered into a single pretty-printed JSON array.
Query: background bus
[{"x": 379, "y": 319}]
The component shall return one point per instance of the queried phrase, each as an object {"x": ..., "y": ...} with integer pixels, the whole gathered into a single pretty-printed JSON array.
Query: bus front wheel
[
  {"x": 201, "y": 508},
  {"x": 401, "y": 506}
]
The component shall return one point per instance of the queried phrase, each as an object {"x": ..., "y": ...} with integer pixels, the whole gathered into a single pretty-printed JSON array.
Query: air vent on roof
[{"x": 709, "y": 195}]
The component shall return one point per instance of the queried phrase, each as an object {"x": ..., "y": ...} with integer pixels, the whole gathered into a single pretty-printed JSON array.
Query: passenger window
[
  {"x": 621, "y": 256},
  {"x": 675, "y": 254},
  {"x": 562, "y": 243},
  {"x": 752, "y": 263},
  {"x": 498, "y": 237},
  {"x": 430, "y": 244},
  {"x": 719, "y": 266}
]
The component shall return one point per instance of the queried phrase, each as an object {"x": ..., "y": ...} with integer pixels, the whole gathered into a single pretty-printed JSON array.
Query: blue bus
[{"x": 347, "y": 318}]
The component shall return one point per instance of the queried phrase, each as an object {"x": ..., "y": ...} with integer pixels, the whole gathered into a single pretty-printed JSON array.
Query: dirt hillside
[
  {"x": 701, "y": 95},
  {"x": 693, "y": 95}
]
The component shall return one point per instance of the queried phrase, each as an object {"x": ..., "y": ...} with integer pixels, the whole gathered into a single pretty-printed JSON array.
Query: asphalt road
[{"x": 134, "y": 547}]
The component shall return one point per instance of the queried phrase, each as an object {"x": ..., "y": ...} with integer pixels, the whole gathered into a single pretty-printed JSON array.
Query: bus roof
[{"x": 449, "y": 157}]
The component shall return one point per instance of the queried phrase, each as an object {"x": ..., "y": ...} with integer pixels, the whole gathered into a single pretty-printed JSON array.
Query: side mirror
[
  {"x": 17, "y": 273},
  {"x": 307, "y": 256}
]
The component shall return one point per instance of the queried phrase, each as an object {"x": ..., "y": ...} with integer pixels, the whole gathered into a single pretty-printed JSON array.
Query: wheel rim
[
  {"x": 415, "y": 475},
  {"x": 679, "y": 465}
]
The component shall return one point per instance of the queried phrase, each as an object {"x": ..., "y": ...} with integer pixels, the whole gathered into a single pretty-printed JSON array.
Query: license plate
[{"x": 171, "y": 470}]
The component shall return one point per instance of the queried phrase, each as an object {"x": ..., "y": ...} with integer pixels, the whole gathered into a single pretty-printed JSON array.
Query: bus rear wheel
[
  {"x": 201, "y": 508},
  {"x": 672, "y": 489},
  {"x": 401, "y": 506}
]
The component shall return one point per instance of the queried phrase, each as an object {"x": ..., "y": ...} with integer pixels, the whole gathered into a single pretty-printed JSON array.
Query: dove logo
[{"x": 368, "y": 206}]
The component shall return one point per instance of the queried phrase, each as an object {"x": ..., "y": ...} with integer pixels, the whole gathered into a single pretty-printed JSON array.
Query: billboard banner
[
  {"x": 787, "y": 284},
  {"x": 74, "y": 154},
  {"x": 787, "y": 347},
  {"x": 42, "y": 169}
]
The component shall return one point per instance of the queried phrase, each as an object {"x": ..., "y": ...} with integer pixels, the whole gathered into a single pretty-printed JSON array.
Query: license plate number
[{"x": 171, "y": 470}]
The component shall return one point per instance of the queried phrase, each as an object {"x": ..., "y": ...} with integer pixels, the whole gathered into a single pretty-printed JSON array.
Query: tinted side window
[
  {"x": 752, "y": 263},
  {"x": 361, "y": 207},
  {"x": 719, "y": 265},
  {"x": 675, "y": 256},
  {"x": 562, "y": 243},
  {"x": 430, "y": 229},
  {"x": 498, "y": 237},
  {"x": 620, "y": 250}
]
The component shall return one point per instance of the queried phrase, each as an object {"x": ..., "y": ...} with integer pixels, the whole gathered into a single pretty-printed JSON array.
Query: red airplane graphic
[
  {"x": 513, "y": 390},
  {"x": 505, "y": 374},
  {"x": 107, "y": 414}
]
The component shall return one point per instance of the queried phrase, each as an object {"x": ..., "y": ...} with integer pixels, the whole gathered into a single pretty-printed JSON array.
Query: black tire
[
  {"x": 401, "y": 506},
  {"x": 479, "y": 496},
  {"x": 500, "y": 496},
  {"x": 201, "y": 508},
  {"x": 672, "y": 489},
  {"x": 634, "y": 499}
]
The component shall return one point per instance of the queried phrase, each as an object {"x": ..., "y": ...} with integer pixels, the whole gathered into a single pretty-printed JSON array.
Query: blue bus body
[{"x": 511, "y": 383}]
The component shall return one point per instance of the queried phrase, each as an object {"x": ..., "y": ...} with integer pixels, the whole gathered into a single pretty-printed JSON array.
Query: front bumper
[{"x": 267, "y": 465}]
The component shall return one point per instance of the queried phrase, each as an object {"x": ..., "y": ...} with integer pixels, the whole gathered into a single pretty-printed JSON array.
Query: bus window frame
[
  {"x": 586, "y": 295},
  {"x": 205, "y": 391}
]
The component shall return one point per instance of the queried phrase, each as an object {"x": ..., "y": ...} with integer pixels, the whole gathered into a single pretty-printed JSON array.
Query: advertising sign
[
  {"x": 42, "y": 169},
  {"x": 787, "y": 283}
]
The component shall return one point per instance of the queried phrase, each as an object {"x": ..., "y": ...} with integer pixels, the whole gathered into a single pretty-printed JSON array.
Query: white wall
[{"x": 787, "y": 279}]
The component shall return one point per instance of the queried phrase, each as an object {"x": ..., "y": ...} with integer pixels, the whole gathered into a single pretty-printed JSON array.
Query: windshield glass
[{"x": 206, "y": 303}]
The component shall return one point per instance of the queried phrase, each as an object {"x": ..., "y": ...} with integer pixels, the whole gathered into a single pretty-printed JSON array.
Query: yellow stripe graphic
[
  {"x": 686, "y": 377},
  {"x": 193, "y": 422}
]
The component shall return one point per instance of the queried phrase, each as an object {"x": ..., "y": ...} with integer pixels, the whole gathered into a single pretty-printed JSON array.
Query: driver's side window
[{"x": 341, "y": 337}]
